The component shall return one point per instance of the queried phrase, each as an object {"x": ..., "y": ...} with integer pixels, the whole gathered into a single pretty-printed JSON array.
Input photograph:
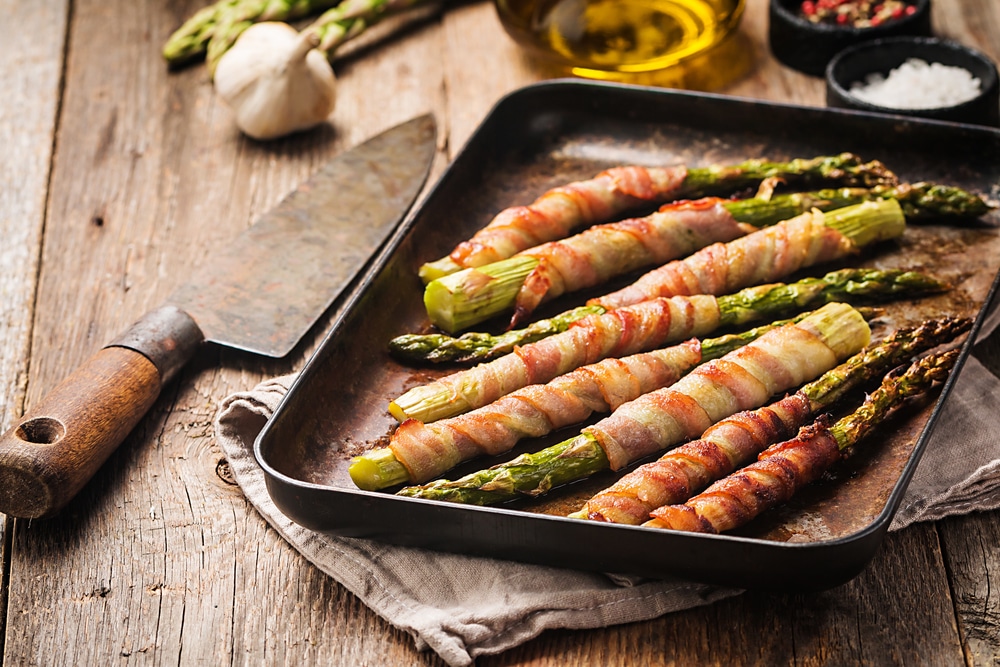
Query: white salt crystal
[{"x": 917, "y": 85}]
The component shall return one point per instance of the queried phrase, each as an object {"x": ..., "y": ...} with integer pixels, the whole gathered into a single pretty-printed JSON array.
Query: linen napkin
[{"x": 462, "y": 607}]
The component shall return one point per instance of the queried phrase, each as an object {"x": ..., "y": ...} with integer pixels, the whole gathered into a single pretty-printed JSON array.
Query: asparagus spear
[
  {"x": 735, "y": 441},
  {"x": 508, "y": 234},
  {"x": 783, "y": 469},
  {"x": 738, "y": 308},
  {"x": 347, "y": 20},
  {"x": 379, "y": 468},
  {"x": 580, "y": 457},
  {"x": 468, "y": 297},
  {"x": 653, "y": 420}
]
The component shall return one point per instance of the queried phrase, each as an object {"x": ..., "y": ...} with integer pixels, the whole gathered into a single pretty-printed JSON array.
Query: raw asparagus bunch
[
  {"x": 212, "y": 31},
  {"x": 736, "y": 441},
  {"x": 784, "y": 468},
  {"x": 334, "y": 27},
  {"x": 614, "y": 192},
  {"x": 226, "y": 19},
  {"x": 419, "y": 452},
  {"x": 779, "y": 360},
  {"x": 745, "y": 306},
  {"x": 730, "y": 261}
]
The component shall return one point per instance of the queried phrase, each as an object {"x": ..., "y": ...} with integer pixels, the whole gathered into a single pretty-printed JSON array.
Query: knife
[{"x": 261, "y": 294}]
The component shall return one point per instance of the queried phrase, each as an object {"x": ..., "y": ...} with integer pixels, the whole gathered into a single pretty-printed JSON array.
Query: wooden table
[{"x": 117, "y": 177}]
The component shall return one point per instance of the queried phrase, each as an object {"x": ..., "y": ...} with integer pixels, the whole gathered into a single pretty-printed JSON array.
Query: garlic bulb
[{"x": 275, "y": 81}]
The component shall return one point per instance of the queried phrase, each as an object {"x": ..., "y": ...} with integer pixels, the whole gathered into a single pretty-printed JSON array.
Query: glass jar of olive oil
[{"x": 605, "y": 39}]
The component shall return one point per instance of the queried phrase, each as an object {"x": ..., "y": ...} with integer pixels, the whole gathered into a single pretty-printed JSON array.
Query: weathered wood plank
[
  {"x": 897, "y": 612},
  {"x": 972, "y": 553},
  {"x": 31, "y": 58},
  {"x": 32, "y": 37}
]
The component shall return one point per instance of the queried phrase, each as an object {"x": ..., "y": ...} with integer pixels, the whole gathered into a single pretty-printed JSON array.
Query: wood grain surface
[{"x": 117, "y": 176}]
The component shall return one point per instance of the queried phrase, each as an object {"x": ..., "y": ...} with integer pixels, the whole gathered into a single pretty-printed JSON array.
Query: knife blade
[{"x": 261, "y": 294}]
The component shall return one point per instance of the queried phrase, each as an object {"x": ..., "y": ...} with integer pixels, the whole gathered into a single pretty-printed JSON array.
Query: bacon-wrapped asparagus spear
[
  {"x": 844, "y": 285},
  {"x": 777, "y": 361},
  {"x": 762, "y": 256},
  {"x": 463, "y": 299},
  {"x": 641, "y": 327},
  {"x": 615, "y": 191},
  {"x": 735, "y": 441},
  {"x": 596, "y": 255},
  {"x": 784, "y": 468},
  {"x": 418, "y": 452}
]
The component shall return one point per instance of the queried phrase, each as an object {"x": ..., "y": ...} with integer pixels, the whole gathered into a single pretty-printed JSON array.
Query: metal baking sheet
[{"x": 552, "y": 133}]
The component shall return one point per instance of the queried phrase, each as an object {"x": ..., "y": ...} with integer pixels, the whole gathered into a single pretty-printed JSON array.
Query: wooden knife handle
[{"x": 61, "y": 442}]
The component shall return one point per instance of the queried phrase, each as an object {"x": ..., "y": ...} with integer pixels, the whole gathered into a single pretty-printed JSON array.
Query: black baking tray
[{"x": 552, "y": 133}]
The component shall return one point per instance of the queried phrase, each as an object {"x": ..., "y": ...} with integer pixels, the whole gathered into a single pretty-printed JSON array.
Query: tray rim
[{"x": 873, "y": 530}]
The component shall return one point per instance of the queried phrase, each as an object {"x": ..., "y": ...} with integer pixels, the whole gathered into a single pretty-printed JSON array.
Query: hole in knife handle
[{"x": 41, "y": 431}]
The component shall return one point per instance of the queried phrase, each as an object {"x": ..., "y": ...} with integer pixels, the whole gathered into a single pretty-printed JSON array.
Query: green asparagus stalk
[
  {"x": 845, "y": 170},
  {"x": 443, "y": 348},
  {"x": 848, "y": 284},
  {"x": 462, "y": 299},
  {"x": 919, "y": 201},
  {"x": 339, "y": 24},
  {"x": 379, "y": 468},
  {"x": 580, "y": 457},
  {"x": 896, "y": 388}
]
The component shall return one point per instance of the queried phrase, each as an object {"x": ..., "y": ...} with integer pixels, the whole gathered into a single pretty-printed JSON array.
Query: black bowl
[
  {"x": 882, "y": 56},
  {"x": 808, "y": 47}
]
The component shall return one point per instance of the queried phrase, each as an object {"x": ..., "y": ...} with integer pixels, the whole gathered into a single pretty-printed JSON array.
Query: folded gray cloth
[
  {"x": 960, "y": 469},
  {"x": 462, "y": 607},
  {"x": 458, "y": 606}
]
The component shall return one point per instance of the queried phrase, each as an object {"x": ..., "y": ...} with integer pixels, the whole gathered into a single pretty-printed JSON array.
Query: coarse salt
[{"x": 918, "y": 85}]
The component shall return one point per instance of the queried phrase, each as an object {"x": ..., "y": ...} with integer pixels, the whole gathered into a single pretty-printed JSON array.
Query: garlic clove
[{"x": 275, "y": 81}]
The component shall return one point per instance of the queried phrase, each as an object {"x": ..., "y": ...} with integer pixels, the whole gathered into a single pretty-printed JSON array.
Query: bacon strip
[
  {"x": 625, "y": 331},
  {"x": 428, "y": 450},
  {"x": 557, "y": 212},
  {"x": 760, "y": 257},
  {"x": 781, "y": 470},
  {"x": 678, "y": 474},
  {"x": 605, "y": 251},
  {"x": 743, "y": 379}
]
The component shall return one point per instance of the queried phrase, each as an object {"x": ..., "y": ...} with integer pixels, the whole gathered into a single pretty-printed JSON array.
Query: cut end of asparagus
[
  {"x": 439, "y": 269},
  {"x": 868, "y": 222},
  {"x": 840, "y": 326},
  {"x": 377, "y": 469},
  {"x": 427, "y": 403},
  {"x": 462, "y": 299}
]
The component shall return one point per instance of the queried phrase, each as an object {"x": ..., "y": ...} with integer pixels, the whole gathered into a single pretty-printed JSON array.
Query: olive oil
[{"x": 596, "y": 38}]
